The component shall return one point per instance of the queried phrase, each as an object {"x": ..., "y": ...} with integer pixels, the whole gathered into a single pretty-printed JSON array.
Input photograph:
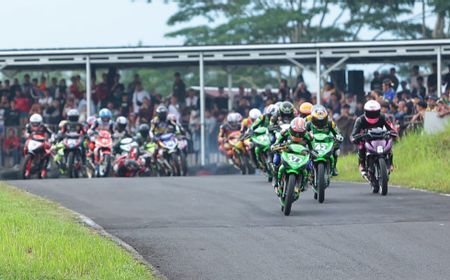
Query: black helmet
[
  {"x": 286, "y": 110},
  {"x": 144, "y": 130},
  {"x": 73, "y": 115},
  {"x": 161, "y": 111}
]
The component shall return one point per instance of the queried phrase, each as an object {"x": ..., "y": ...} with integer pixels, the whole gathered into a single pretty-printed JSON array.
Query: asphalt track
[{"x": 231, "y": 227}]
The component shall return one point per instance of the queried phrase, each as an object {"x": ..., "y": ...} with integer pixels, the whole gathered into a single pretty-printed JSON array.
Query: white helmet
[
  {"x": 234, "y": 118},
  {"x": 36, "y": 120},
  {"x": 254, "y": 114},
  {"x": 372, "y": 111},
  {"x": 272, "y": 109}
]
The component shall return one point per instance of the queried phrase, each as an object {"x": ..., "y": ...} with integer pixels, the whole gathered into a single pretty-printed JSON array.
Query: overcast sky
[{"x": 84, "y": 23}]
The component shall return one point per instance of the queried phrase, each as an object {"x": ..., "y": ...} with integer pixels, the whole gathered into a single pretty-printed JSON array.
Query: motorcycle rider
[
  {"x": 372, "y": 118},
  {"x": 246, "y": 124},
  {"x": 120, "y": 132},
  {"x": 37, "y": 127},
  {"x": 267, "y": 119},
  {"x": 160, "y": 124},
  {"x": 305, "y": 109},
  {"x": 233, "y": 124},
  {"x": 103, "y": 122},
  {"x": 285, "y": 113},
  {"x": 72, "y": 125},
  {"x": 319, "y": 122},
  {"x": 297, "y": 134}
]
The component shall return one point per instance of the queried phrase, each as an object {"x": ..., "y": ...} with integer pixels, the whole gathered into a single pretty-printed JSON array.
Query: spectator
[
  {"x": 418, "y": 119},
  {"x": 432, "y": 80},
  {"x": 43, "y": 85},
  {"x": 334, "y": 104},
  {"x": 179, "y": 89},
  {"x": 350, "y": 99},
  {"x": 125, "y": 106},
  {"x": 442, "y": 108},
  {"x": 132, "y": 86},
  {"x": 12, "y": 115},
  {"x": 102, "y": 92},
  {"x": 35, "y": 91},
  {"x": 255, "y": 99},
  {"x": 446, "y": 79},
  {"x": 243, "y": 107},
  {"x": 403, "y": 91},
  {"x": 388, "y": 91},
  {"x": 302, "y": 93},
  {"x": 174, "y": 108},
  {"x": 327, "y": 91},
  {"x": 393, "y": 78},
  {"x": 13, "y": 89},
  {"x": 431, "y": 102},
  {"x": 283, "y": 90},
  {"x": 345, "y": 123},
  {"x": 192, "y": 100},
  {"x": 26, "y": 86},
  {"x": 419, "y": 91},
  {"x": 117, "y": 90},
  {"x": 221, "y": 101},
  {"x": 61, "y": 91},
  {"x": 145, "y": 112},
  {"x": 45, "y": 99},
  {"x": 73, "y": 88},
  {"x": 70, "y": 104},
  {"x": 11, "y": 146},
  {"x": 52, "y": 89},
  {"x": 35, "y": 109},
  {"x": 413, "y": 79},
  {"x": 80, "y": 85},
  {"x": 138, "y": 97},
  {"x": 52, "y": 114},
  {"x": 377, "y": 81},
  {"x": 23, "y": 105}
]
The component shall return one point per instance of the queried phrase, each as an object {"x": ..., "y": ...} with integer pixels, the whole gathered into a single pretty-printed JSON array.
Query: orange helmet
[
  {"x": 305, "y": 109},
  {"x": 297, "y": 129}
]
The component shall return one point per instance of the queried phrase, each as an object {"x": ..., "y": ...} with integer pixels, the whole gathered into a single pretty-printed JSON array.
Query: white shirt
[
  {"x": 138, "y": 97},
  {"x": 173, "y": 109}
]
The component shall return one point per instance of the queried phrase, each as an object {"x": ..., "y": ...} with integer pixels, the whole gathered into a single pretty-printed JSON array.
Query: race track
[{"x": 231, "y": 227}]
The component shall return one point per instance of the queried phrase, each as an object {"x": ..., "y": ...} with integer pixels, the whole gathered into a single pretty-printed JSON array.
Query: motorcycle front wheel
[
  {"x": 289, "y": 194},
  {"x": 382, "y": 176},
  {"x": 26, "y": 168},
  {"x": 320, "y": 182}
]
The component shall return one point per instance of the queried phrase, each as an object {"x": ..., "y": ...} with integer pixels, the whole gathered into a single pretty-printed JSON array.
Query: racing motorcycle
[
  {"x": 294, "y": 173},
  {"x": 238, "y": 152},
  {"x": 36, "y": 157},
  {"x": 323, "y": 161},
  {"x": 102, "y": 153},
  {"x": 261, "y": 141},
  {"x": 378, "y": 143},
  {"x": 149, "y": 155},
  {"x": 169, "y": 152},
  {"x": 128, "y": 163},
  {"x": 73, "y": 153}
]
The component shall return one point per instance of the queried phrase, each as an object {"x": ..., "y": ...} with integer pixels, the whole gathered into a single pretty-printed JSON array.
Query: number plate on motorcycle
[{"x": 380, "y": 149}]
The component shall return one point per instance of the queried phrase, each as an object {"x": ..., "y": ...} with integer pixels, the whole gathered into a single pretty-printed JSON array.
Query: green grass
[
  {"x": 40, "y": 240},
  {"x": 420, "y": 160}
]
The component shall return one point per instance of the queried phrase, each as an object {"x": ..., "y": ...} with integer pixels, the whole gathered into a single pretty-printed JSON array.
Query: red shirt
[
  {"x": 11, "y": 143},
  {"x": 23, "y": 104}
]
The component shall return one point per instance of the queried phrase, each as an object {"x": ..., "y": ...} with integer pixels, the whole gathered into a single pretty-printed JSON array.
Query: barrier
[{"x": 433, "y": 123}]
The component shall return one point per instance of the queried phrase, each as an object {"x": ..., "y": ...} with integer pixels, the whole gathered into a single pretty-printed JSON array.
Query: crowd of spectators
[{"x": 405, "y": 103}]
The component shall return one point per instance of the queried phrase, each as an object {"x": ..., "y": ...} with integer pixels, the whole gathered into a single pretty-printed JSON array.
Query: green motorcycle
[
  {"x": 323, "y": 162},
  {"x": 294, "y": 173},
  {"x": 261, "y": 141}
]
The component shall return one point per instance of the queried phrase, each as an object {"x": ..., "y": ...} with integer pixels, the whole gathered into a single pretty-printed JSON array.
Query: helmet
[
  {"x": 121, "y": 123},
  {"x": 73, "y": 115},
  {"x": 172, "y": 118},
  {"x": 144, "y": 130},
  {"x": 305, "y": 109},
  {"x": 297, "y": 129},
  {"x": 278, "y": 104},
  {"x": 254, "y": 114},
  {"x": 287, "y": 109},
  {"x": 319, "y": 116},
  {"x": 372, "y": 111},
  {"x": 161, "y": 111},
  {"x": 272, "y": 109},
  {"x": 61, "y": 124},
  {"x": 36, "y": 120},
  {"x": 234, "y": 119},
  {"x": 105, "y": 115}
]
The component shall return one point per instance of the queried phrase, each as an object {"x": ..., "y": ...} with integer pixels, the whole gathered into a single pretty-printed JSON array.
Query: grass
[
  {"x": 421, "y": 161},
  {"x": 40, "y": 240}
]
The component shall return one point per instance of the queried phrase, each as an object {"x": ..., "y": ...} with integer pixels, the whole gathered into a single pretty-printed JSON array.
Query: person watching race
[
  {"x": 372, "y": 118},
  {"x": 319, "y": 122}
]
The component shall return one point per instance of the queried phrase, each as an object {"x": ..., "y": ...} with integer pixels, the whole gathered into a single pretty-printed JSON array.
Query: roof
[{"x": 261, "y": 54}]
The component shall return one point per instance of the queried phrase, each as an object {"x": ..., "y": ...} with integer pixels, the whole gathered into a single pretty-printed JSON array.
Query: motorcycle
[
  {"x": 170, "y": 154},
  {"x": 261, "y": 141},
  {"x": 183, "y": 148},
  {"x": 73, "y": 154},
  {"x": 149, "y": 155},
  {"x": 102, "y": 153},
  {"x": 294, "y": 174},
  {"x": 378, "y": 143},
  {"x": 237, "y": 152},
  {"x": 128, "y": 163},
  {"x": 36, "y": 157},
  {"x": 323, "y": 161}
]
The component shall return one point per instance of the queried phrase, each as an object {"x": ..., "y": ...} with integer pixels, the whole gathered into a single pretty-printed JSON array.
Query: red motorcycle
[
  {"x": 128, "y": 163},
  {"x": 102, "y": 153},
  {"x": 37, "y": 154}
]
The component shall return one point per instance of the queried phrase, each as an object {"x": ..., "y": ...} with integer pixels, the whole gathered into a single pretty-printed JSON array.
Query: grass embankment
[
  {"x": 40, "y": 240},
  {"x": 420, "y": 160}
]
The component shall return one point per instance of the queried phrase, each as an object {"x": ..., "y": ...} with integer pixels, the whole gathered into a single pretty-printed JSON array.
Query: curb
[{"x": 130, "y": 249}]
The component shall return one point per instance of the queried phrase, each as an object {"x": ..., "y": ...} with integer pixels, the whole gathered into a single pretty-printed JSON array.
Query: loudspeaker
[
  {"x": 338, "y": 79},
  {"x": 356, "y": 83}
]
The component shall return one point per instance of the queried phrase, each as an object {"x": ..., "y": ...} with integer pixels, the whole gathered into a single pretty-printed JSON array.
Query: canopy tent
[{"x": 330, "y": 54}]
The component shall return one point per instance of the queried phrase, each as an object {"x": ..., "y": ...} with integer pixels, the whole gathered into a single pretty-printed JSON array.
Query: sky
[{"x": 84, "y": 23}]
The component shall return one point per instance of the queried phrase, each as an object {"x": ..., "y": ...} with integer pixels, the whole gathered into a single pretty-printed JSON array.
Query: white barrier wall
[{"x": 433, "y": 123}]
